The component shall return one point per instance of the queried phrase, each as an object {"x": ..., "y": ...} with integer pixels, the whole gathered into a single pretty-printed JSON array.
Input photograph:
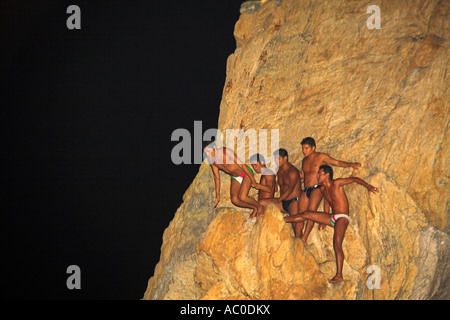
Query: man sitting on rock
[
  {"x": 242, "y": 177},
  {"x": 290, "y": 187},
  {"x": 334, "y": 194}
]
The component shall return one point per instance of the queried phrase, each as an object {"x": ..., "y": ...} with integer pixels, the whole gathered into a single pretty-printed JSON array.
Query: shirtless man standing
[
  {"x": 311, "y": 195},
  {"x": 290, "y": 187},
  {"x": 242, "y": 177},
  {"x": 334, "y": 194}
]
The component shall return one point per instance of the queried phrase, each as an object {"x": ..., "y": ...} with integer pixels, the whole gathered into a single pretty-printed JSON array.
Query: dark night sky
[{"x": 87, "y": 118}]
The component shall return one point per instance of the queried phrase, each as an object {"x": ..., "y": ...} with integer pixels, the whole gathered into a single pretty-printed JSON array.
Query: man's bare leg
[
  {"x": 235, "y": 188},
  {"x": 338, "y": 237},
  {"x": 298, "y": 227},
  {"x": 314, "y": 200},
  {"x": 267, "y": 201},
  {"x": 243, "y": 196},
  {"x": 339, "y": 233},
  {"x": 302, "y": 207},
  {"x": 320, "y": 217}
]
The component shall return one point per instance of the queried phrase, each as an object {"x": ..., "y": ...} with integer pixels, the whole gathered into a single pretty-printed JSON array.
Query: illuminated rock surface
[{"x": 379, "y": 97}]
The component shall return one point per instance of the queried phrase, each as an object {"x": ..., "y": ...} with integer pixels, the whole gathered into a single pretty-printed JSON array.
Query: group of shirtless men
[{"x": 300, "y": 203}]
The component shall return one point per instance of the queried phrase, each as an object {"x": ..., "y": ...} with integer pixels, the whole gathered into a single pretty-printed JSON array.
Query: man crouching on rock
[
  {"x": 242, "y": 177},
  {"x": 334, "y": 194}
]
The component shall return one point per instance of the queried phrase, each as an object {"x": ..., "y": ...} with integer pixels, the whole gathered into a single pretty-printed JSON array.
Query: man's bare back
[{"x": 226, "y": 160}]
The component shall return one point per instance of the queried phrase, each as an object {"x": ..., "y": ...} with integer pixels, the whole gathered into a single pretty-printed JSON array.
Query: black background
[{"x": 87, "y": 117}]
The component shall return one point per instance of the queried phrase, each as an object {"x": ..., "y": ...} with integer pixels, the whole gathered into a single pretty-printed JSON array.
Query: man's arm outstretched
[
  {"x": 344, "y": 181},
  {"x": 338, "y": 163}
]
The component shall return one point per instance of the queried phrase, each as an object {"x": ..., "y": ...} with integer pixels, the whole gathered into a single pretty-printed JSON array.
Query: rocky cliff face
[{"x": 375, "y": 96}]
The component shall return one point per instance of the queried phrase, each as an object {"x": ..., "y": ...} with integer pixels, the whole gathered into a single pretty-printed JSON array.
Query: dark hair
[
  {"x": 327, "y": 169},
  {"x": 309, "y": 141},
  {"x": 282, "y": 153},
  {"x": 210, "y": 143},
  {"x": 257, "y": 158}
]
